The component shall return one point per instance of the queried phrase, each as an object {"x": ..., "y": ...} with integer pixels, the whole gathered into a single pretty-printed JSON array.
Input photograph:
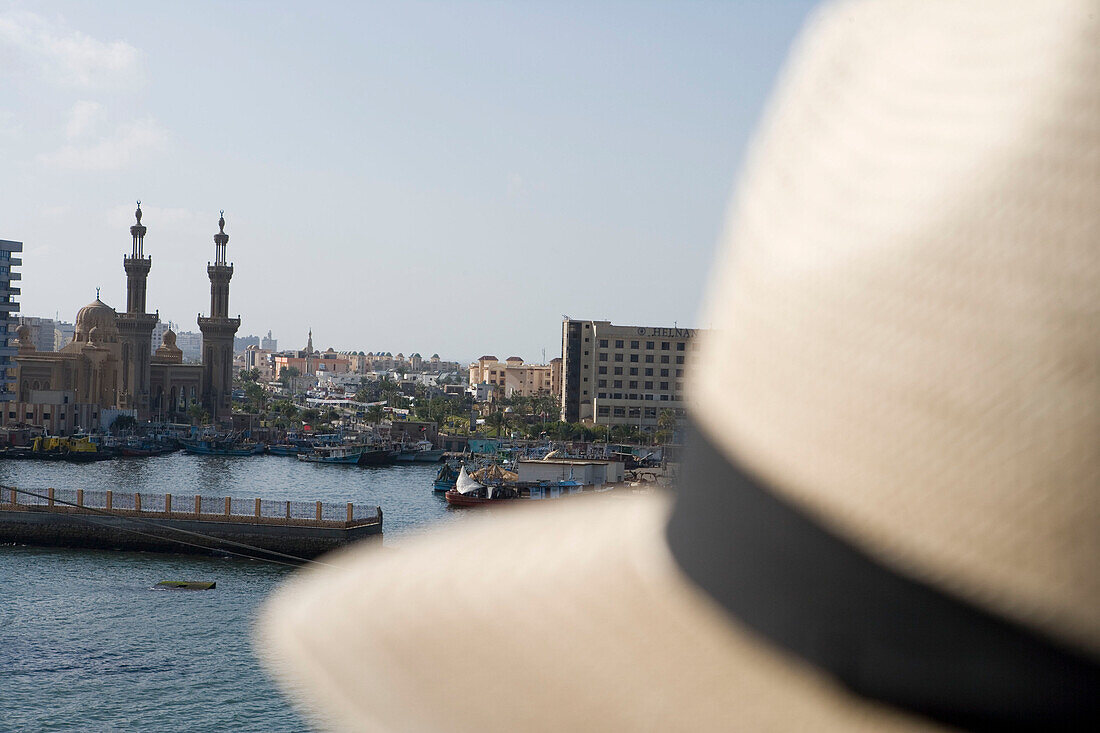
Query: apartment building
[
  {"x": 622, "y": 375},
  {"x": 8, "y": 308}
]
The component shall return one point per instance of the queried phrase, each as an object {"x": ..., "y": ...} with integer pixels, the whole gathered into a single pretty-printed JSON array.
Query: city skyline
[{"x": 387, "y": 180}]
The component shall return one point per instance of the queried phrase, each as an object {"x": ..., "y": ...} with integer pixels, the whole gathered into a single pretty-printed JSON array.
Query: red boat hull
[{"x": 456, "y": 499}]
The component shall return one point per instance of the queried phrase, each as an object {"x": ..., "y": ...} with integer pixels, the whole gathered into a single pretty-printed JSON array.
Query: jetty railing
[{"x": 193, "y": 506}]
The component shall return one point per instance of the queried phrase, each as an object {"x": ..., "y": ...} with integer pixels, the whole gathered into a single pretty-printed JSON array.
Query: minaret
[
  {"x": 135, "y": 327},
  {"x": 217, "y": 332},
  {"x": 309, "y": 342}
]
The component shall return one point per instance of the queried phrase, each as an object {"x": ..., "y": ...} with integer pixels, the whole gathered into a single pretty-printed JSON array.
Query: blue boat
[
  {"x": 220, "y": 447},
  {"x": 446, "y": 479},
  {"x": 286, "y": 449}
]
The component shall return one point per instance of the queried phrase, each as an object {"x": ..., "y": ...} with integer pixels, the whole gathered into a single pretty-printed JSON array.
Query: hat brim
[{"x": 545, "y": 618}]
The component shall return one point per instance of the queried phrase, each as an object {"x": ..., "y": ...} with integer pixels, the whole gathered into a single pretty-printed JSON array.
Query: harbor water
[{"x": 87, "y": 644}]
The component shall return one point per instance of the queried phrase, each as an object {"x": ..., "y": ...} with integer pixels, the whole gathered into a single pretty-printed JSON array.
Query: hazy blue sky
[{"x": 447, "y": 177}]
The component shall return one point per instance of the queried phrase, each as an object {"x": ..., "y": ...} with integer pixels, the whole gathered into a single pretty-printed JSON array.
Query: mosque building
[{"x": 108, "y": 366}]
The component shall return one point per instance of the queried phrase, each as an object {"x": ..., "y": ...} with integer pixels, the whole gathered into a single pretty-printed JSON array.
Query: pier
[{"x": 291, "y": 531}]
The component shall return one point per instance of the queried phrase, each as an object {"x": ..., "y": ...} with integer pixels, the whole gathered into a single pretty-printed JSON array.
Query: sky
[{"x": 426, "y": 177}]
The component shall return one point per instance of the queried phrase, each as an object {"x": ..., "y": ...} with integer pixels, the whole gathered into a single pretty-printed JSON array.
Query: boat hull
[{"x": 456, "y": 499}]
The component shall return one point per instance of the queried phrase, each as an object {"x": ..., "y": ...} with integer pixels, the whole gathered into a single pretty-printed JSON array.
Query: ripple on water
[{"x": 86, "y": 643}]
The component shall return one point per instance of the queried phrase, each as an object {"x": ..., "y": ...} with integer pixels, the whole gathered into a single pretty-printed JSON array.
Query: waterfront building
[
  {"x": 108, "y": 364},
  {"x": 622, "y": 375},
  {"x": 513, "y": 378},
  {"x": 218, "y": 330},
  {"x": 9, "y": 306}
]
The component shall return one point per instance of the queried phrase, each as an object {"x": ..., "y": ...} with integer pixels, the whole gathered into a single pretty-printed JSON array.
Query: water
[{"x": 87, "y": 644}]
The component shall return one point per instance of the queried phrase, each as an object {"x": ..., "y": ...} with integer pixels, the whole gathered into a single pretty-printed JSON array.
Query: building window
[
  {"x": 618, "y": 357},
  {"x": 601, "y": 395},
  {"x": 665, "y": 345},
  {"x": 664, "y": 385},
  {"x": 679, "y": 386},
  {"x": 649, "y": 371},
  {"x": 680, "y": 346},
  {"x": 586, "y": 353},
  {"x": 664, "y": 359},
  {"x": 617, "y": 396},
  {"x": 664, "y": 373},
  {"x": 633, "y": 371},
  {"x": 649, "y": 385},
  {"x": 649, "y": 358},
  {"x": 602, "y": 383},
  {"x": 619, "y": 344},
  {"x": 585, "y": 379},
  {"x": 603, "y": 370},
  {"x": 618, "y": 384},
  {"x": 635, "y": 412},
  {"x": 618, "y": 370},
  {"x": 586, "y": 339},
  {"x": 651, "y": 412},
  {"x": 633, "y": 384},
  {"x": 649, "y": 344},
  {"x": 603, "y": 356},
  {"x": 603, "y": 343},
  {"x": 634, "y": 344},
  {"x": 679, "y": 360},
  {"x": 634, "y": 358},
  {"x": 620, "y": 412},
  {"x": 603, "y": 411}
]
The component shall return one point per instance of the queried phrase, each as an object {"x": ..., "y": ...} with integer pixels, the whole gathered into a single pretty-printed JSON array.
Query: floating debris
[{"x": 187, "y": 584}]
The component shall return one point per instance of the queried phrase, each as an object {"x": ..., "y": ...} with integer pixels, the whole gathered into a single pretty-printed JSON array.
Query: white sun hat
[{"x": 890, "y": 516}]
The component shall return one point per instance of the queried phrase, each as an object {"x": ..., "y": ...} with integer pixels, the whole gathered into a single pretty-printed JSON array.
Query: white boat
[{"x": 421, "y": 452}]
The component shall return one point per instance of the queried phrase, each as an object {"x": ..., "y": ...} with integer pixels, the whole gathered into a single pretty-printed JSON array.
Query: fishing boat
[
  {"x": 221, "y": 447},
  {"x": 376, "y": 456},
  {"x": 342, "y": 454},
  {"x": 286, "y": 449},
  {"x": 468, "y": 491},
  {"x": 446, "y": 479},
  {"x": 420, "y": 452}
]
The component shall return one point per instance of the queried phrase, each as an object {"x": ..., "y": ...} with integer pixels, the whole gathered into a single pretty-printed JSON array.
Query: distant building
[
  {"x": 261, "y": 361},
  {"x": 622, "y": 375},
  {"x": 240, "y": 343},
  {"x": 190, "y": 343},
  {"x": 269, "y": 344},
  {"x": 8, "y": 308},
  {"x": 41, "y": 332},
  {"x": 512, "y": 377},
  {"x": 63, "y": 333}
]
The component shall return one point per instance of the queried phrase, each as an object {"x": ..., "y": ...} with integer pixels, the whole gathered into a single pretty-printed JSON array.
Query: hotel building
[{"x": 622, "y": 375}]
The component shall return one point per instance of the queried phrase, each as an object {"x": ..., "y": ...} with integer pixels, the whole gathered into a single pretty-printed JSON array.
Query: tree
[
  {"x": 310, "y": 415},
  {"x": 666, "y": 420},
  {"x": 123, "y": 422},
  {"x": 249, "y": 375},
  {"x": 198, "y": 414},
  {"x": 375, "y": 414}
]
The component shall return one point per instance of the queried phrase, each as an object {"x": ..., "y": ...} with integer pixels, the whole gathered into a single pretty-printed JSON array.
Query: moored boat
[
  {"x": 341, "y": 454},
  {"x": 219, "y": 447}
]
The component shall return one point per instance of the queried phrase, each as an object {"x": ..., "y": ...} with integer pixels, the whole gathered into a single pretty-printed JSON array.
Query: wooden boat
[
  {"x": 341, "y": 454},
  {"x": 376, "y": 456},
  {"x": 468, "y": 491},
  {"x": 285, "y": 449}
]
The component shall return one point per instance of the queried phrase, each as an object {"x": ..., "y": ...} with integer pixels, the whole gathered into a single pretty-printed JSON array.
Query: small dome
[
  {"x": 23, "y": 332},
  {"x": 169, "y": 339},
  {"x": 97, "y": 315}
]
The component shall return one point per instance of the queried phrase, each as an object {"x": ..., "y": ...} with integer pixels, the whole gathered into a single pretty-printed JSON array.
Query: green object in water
[{"x": 187, "y": 584}]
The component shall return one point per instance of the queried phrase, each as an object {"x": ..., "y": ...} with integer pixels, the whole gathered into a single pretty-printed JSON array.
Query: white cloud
[
  {"x": 34, "y": 46},
  {"x": 84, "y": 118},
  {"x": 130, "y": 142}
]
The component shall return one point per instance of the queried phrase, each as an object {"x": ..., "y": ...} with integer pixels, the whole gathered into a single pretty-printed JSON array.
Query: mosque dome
[
  {"x": 169, "y": 339},
  {"x": 97, "y": 314}
]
